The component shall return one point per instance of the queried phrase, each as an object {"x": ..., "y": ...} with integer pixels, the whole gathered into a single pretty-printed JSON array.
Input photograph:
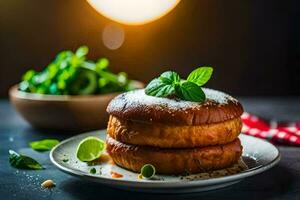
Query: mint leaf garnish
[
  {"x": 169, "y": 77},
  {"x": 169, "y": 84},
  {"x": 190, "y": 91},
  {"x": 201, "y": 75},
  {"x": 159, "y": 88},
  {"x": 164, "y": 85}
]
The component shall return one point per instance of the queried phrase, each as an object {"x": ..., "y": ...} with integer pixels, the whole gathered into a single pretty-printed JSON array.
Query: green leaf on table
[
  {"x": 201, "y": 75},
  {"x": 43, "y": 145},
  {"x": 23, "y": 162}
]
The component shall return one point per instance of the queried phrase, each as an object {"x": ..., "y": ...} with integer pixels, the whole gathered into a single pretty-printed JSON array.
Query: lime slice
[{"x": 90, "y": 149}]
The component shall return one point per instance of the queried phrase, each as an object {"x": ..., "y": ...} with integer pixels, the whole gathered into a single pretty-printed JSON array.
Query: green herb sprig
[
  {"x": 169, "y": 84},
  {"x": 71, "y": 73},
  {"x": 23, "y": 162}
]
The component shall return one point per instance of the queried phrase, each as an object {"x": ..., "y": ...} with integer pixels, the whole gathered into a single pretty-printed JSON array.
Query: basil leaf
[
  {"x": 82, "y": 51},
  {"x": 28, "y": 75},
  {"x": 24, "y": 86},
  {"x": 201, "y": 75},
  {"x": 190, "y": 91},
  {"x": 43, "y": 145},
  {"x": 159, "y": 89},
  {"x": 62, "y": 56},
  {"x": 85, "y": 83},
  {"x": 169, "y": 77},
  {"x": 23, "y": 162},
  {"x": 102, "y": 64}
]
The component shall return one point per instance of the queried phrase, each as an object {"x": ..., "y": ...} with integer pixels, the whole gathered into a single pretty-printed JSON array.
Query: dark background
[{"x": 254, "y": 45}]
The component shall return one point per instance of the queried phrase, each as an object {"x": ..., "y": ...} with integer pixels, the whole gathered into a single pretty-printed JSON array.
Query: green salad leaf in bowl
[{"x": 71, "y": 73}]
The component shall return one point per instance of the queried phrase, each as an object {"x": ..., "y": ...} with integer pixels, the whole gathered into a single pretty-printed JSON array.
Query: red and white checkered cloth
[{"x": 275, "y": 132}]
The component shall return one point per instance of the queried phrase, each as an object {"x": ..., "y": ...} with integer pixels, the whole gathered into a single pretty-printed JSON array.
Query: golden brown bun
[
  {"x": 136, "y": 105},
  {"x": 173, "y": 136},
  {"x": 174, "y": 161}
]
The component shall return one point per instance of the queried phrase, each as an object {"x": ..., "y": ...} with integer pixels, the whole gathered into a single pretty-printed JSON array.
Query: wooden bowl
[{"x": 63, "y": 112}]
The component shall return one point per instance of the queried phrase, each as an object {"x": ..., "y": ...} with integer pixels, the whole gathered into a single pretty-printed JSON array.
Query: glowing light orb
[
  {"x": 133, "y": 12},
  {"x": 113, "y": 36}
]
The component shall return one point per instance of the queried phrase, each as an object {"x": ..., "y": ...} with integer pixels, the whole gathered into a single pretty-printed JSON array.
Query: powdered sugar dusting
[
  {"x": 218, "y": 97},
  {"x": 138, "y": 98}
]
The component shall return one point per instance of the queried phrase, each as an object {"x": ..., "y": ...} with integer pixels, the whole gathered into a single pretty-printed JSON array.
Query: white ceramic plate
[{"x": 258, "y": 155}]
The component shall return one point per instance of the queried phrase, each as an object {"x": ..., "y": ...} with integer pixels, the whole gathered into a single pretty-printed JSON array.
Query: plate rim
[{"x": 163, "y": 184}]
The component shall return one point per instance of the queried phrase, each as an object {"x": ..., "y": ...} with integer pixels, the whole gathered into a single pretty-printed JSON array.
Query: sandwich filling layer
[{"x": 173, "y": 135}]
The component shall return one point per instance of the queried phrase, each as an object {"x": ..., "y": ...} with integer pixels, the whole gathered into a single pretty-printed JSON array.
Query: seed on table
[{"x": 48, "y": 184}]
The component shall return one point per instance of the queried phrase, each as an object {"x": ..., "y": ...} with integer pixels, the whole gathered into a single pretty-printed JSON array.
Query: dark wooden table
[{"x": 281, "y": 182}]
